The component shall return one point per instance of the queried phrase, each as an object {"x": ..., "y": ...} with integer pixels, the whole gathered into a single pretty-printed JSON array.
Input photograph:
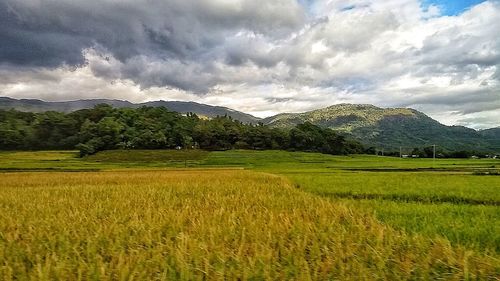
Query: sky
[
  {"x": 258, "y": 56},
  {"x": 452, "y": 8}
]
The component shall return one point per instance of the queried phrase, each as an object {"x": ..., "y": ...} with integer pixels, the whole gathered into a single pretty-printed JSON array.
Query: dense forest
[{"x": 104, "y": 127}]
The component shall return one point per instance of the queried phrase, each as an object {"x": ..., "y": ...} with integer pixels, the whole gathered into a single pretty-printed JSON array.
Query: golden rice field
[{"x": 205, "y": 225}]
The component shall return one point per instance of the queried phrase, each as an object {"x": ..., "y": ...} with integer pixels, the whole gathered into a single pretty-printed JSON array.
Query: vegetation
[
  {"x": 463, "y": 208},
  {"x": 436, "y": 198},
  {"x": 452, "y": 198},
  {"x": 32, "y": 105},
  {"x": 392, "y": 128},
  {"x": 196, "y": 225},
  {"x": 318, "y": 217},
  {"x": 106, "y": 128},
  {"x": 343, "y": 117},
  {"x": 148, "y": 156},
  {"x": 381, "y": 128}
]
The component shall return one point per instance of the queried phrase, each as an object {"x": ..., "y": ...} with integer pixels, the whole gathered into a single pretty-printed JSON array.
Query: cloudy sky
[{"x": 259, "y": 56}]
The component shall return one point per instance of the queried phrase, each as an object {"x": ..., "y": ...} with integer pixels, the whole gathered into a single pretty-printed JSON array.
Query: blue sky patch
[{"x": 452, "y": 7}]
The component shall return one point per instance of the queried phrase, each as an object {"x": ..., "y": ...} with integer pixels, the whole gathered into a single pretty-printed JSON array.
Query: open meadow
[{"x": 123, "y": 215}]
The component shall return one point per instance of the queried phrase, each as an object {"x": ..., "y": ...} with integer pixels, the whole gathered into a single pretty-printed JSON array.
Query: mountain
[
  {"x": 491, "y": 133},
  {"x": 203, "y": 110},
  {"x": 493, "y": 136},
  {"x": 388, "y": 128},
  {"x": 33, "y": 105},
  {"x": 391, "y": 128}
]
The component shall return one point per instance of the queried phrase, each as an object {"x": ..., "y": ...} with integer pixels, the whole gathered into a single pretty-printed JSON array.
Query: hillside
[
  {"x": 491, "y": 133},
  {"x": 33, "y": 105},
  {"x": 493, "y": 136},
  {"x": 203, "y": 110},
  {"x": 391, "y": 128},
  {"x": 388, "y": 128}
]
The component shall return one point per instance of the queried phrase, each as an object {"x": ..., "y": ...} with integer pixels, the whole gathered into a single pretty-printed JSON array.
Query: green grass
[
  {"x": 463, "y": 208},
  {"x": 204, "y": 225},
  {"x": 423, "y": 187},
  {"x": 45, "y": 160},
  {"x": 141, "y": 156},
  {"x": 105, "y": 160},
  {"x": 281, "y": 161},
  {"x": 475, "y": 226},
  {"x": 300, "y": 161},
  {"x": 437, "y": 200}
]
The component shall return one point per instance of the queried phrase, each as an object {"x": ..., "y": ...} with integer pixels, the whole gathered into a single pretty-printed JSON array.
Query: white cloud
[{"x": 266, "y": 57}]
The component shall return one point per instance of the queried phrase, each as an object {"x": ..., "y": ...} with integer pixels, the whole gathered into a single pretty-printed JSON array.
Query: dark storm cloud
[
  {"x": 26, "y": 42},
  {"x": 259, "y": 56},
  {"x": 53, "y": 32}
]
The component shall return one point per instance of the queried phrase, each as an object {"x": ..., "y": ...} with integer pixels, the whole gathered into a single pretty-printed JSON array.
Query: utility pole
[
  {"x": 382, "y": 152},
  {"x": 433, "y": 152},
  {"x": 400, "y": 152}
]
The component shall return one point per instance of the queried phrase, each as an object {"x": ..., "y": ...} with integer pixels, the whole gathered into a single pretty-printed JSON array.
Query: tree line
[
  {"x": 428, "y": 152},
  {"x": 104, "y": 127}
]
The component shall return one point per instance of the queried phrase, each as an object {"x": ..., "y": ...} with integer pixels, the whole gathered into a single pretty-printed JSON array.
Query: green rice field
[{"x": 248, "y": 215}]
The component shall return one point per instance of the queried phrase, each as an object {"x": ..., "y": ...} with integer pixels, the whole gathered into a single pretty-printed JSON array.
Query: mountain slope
[
  {"x": 33, "y": 105},
  {"x": 493, "y": 136},
  {"x": 491, "y": 133},
  {"x": 390, "y": 128},
  {"x": 203, "y": 110}
]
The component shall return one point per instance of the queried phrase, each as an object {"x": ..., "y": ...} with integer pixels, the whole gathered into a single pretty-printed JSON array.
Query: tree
[{"x": 104, "y": 127}]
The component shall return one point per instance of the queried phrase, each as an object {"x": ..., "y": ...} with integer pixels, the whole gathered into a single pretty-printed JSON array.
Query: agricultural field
[{"x": 193, "y": 215}]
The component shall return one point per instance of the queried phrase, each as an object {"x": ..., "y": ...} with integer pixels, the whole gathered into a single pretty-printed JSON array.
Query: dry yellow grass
[{"x": 195, "y": 225}]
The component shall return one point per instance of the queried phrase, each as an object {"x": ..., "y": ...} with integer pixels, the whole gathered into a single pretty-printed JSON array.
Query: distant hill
[
  {"x": 203, "y": 110},
  {"x": 493, "y": 136},
  {"x": 491, "y": 133},
  {"x": 391, "y": 128},
  {"x": 33, "y": 105},
  {"x": 388, "y": 128}
]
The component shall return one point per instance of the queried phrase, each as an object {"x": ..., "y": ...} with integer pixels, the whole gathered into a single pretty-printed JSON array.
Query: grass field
[
  {"x": 290, "y": 215},
  {"x": 463, "y": 208}
]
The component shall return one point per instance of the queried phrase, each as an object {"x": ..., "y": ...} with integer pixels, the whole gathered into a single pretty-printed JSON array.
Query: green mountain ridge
[
  {"x": 341, "y": 117},
  {"x": 34, "y": 105},
  {"x": 383, "y": 128},
  {"x": 392, "y": 128}
]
